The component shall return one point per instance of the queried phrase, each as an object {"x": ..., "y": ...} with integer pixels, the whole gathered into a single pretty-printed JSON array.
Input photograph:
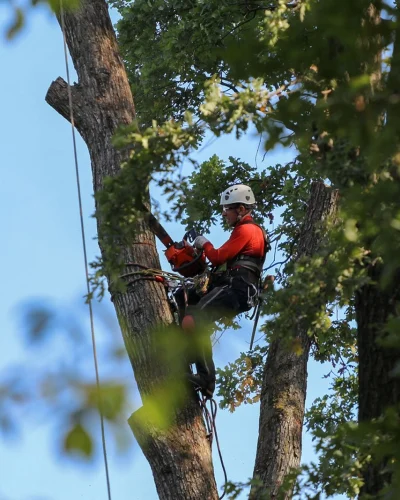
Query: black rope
[
  {"x": 214, "y": 416},
  {"x": 251, "y": 317},
  {"x": 210, "y": 418}
]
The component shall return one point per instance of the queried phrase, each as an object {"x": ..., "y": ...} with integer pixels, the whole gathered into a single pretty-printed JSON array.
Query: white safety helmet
[{"x": 238, "y": 193}]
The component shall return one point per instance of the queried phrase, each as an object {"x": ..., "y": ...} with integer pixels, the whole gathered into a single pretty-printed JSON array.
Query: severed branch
[{"x": 57, "y": 97}]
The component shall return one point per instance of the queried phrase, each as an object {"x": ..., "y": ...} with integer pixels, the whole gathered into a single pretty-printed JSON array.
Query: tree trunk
[
  {"x": 284, "y": 385},
  {"x": 374, "y": 304},
  {"x": 180, "y": 456},
  {"x": 378, "y": 389}
]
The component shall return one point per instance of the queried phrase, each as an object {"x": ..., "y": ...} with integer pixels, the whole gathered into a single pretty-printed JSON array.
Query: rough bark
[
  {"x": 180, "y": 457},
  {"x": 374, "y": 304},
  {"x": 284, "y": 385},
  {"x": 378, "y": 389}
]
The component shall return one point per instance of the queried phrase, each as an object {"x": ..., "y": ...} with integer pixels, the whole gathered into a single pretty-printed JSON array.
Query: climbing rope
[
  {"x": 210, "y": 418},
  {"x": 89, "y": 301},
  {"x": 169, "y": 279},
  {"x": 200, "y": 281},
  {"x": 152, "y": 272}
]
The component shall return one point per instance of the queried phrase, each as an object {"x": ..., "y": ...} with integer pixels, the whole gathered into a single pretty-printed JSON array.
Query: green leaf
[
  {"x": 16, "y": 24},
  {"x": 78, "y": 440}
]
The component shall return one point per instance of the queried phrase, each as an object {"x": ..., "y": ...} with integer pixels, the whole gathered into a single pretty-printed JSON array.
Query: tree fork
[
  {"x": 180, "y": 457},
  {"x": 284, "y": 386}
]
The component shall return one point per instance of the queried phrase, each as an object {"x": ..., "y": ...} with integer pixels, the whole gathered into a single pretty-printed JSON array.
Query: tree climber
[{"x": 234, "y": 280}]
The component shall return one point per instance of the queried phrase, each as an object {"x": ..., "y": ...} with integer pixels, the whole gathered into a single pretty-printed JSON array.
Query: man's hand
[{"x": 199, "y": 242}]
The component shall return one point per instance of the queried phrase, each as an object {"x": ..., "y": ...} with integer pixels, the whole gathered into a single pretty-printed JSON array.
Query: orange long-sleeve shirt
[{"x": 246, "y": 239}]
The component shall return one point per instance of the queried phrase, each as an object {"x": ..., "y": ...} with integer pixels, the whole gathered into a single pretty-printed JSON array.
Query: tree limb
[
  {"x": 57, "y": 98},
  {"x": 284, "y": 383}
]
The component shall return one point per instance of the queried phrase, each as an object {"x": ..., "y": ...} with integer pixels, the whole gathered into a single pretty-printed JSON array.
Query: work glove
[{"x": 199, "y": 242}]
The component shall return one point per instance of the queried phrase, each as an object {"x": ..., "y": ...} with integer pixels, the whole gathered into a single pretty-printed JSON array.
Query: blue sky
[{"x": 42, "y": 260}]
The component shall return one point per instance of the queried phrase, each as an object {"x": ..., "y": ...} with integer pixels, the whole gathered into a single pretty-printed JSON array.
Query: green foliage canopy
[
  {"x": 322, "y": 78},
  {"x": 319, "y": 77}
]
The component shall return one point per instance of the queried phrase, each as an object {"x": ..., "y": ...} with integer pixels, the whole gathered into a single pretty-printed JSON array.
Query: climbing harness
[{"x": 89, "y": 301}]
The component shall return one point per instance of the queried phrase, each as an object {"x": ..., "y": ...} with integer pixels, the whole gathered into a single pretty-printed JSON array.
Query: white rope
[{"x": 89, "y": 301}]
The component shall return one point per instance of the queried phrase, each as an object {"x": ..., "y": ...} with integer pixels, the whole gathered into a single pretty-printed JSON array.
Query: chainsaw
[{"x": 183, "y": 257}]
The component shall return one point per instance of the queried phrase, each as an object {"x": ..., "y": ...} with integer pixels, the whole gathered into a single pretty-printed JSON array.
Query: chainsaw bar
[
  {"x": 158, "y": 229},
  {"x": 182, "y": 256}
]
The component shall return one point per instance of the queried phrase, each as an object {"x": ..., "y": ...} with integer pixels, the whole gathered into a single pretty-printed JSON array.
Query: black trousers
[{"x": 226, "y": 298}]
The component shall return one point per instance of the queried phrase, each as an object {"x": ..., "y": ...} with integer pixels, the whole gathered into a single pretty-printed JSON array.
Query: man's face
[{"x": 230, "y": 213}]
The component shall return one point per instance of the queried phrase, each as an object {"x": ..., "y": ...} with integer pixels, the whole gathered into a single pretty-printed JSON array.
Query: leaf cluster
[
  {"x": 172, "y": 48},
  {"x": 347, "y": 449},
  {"x": 240, "y": 382}
]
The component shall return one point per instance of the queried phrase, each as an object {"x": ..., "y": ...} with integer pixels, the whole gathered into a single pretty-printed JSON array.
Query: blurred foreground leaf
[{"x": 78, "y": 440}]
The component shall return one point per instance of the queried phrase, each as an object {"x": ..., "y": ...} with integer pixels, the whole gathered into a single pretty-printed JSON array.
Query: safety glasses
[{"x": 225, "y": 208}]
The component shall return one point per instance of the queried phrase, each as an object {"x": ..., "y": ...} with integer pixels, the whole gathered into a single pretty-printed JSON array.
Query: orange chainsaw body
[{"x": 185, "y": 259}]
